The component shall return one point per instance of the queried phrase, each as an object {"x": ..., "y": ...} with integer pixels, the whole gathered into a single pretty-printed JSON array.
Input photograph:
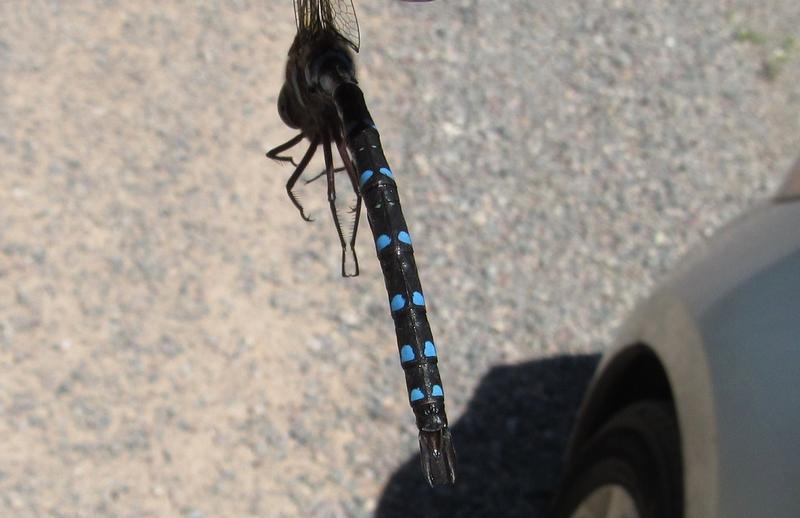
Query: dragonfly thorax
[{"x": 301, "y": 103}]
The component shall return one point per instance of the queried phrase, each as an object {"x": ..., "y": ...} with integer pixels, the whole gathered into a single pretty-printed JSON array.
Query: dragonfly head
[{"x": 287, "y": 107}]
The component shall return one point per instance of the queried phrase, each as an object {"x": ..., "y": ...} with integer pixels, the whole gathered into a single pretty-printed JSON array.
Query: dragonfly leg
[
  {"x": 275, "y": 153},
  {"x": 351, "y": 172},
  {"x": 323, "y": 173},
  {"x": 326, "y": 149},
  {"x": 312, "y": 148}
]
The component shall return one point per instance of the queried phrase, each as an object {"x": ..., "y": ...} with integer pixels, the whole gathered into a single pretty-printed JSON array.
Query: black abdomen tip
[{"x": 438, "y": 457}]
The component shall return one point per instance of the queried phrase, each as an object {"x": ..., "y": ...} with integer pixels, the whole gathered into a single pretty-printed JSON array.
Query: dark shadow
[{"x": 510, "y": 445}]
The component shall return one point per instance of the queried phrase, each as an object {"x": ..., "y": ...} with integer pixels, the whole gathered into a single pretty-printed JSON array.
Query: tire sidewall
[{"x": 639, "y": 449}]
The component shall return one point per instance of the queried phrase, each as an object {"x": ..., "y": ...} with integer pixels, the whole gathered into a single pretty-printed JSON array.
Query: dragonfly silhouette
[{"x": 321, "y": 98}]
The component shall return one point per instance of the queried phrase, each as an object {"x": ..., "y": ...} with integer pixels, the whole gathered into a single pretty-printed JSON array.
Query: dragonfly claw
[
  {"x": 437, "y": 456},
  {"x": 303, "y": 213}
]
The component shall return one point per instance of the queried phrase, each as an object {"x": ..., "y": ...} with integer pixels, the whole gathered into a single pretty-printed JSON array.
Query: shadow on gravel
[{"x": 510, "y": 444}]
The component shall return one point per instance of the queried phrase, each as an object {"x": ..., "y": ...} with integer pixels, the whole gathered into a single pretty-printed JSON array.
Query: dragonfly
[{"x": 321, "y": 98}]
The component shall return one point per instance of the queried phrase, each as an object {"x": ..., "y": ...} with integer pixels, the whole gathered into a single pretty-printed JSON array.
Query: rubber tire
[{"x": 639, "y": 449}]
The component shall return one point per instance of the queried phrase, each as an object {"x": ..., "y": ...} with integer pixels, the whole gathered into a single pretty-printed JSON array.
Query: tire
[{"x": 635, "y": 459}]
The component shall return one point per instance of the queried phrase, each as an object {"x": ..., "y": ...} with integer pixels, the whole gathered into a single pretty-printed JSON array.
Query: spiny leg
[
  {"x": 326, "y": 150},
  {"x": 351, "y": 172},
  {"x": 323, "y": 173},
  {"x": 312, "y": 148},
  {"x": 274, "y": 153}
]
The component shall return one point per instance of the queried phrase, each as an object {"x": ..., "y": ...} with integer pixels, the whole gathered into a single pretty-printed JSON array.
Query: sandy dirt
[{"x": 175, "y": 341}]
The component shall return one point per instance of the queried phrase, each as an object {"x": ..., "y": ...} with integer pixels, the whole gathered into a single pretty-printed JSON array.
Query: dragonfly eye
[{"x": 286, "y": 107}]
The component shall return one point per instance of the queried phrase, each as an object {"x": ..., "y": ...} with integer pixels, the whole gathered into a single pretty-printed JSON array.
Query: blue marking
[
  {"x": 437, "y": 391},
  {"x": 416, "y": 394},
  {"x": 383, "y": 241},
  {"x": 418, "y": 299},
  {"x": 366, "y": 175},
  {"x": 430, "y": 350},
  {"x": 407, "y": 354},
  {"x": 385, "y": 171},
  {"x": 398, "y": 302},
  {"x": 403, "y": 237}
]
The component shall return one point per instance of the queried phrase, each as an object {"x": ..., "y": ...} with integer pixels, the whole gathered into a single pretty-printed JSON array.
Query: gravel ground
[{"x": 174, "y": 341}]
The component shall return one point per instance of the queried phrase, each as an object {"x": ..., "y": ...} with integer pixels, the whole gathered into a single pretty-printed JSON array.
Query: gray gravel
[{"x": 174, "y": 341}]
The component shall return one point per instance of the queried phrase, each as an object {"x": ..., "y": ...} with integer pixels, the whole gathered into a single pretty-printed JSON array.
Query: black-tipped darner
[{"x": 321, "y": 98}]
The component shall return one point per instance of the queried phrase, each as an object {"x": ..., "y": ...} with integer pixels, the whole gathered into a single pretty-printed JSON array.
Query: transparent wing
[
  {"x": 340, "y": 16},
  {"x": 337, "y": 15},
  {"x": 307, "y": 16}
]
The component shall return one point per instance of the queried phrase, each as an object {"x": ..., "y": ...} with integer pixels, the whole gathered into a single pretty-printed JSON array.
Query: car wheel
[{"x": 631, "y": 468}]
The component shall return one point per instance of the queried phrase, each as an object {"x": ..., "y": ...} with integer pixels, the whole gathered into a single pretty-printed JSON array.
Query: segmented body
[
  {"x": 417, "y": 350},
  {"x": 416, "y": 347}
]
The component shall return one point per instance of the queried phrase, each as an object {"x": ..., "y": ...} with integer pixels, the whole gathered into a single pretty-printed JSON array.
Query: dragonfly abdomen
[
  {"x": 416, "y": 347},
  {"x": 406, "y": 298}
]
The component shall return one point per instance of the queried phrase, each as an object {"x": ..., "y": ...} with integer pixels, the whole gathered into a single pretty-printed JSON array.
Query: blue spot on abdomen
[
  {"x": 385, "y": 171},
  {"x": 383, "y": 241},
  {"x": 403, "y": 237},
  {"x": 407, "y": 354},
  {"x": 437, "y": 391},
  {"x": 430, "y": 350},
  {"x": 418, "y": 299},
  {"x": 416, "y": 394},
  {"x": 365, "y": 176},
  {"x": 398, "y": 302}
]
